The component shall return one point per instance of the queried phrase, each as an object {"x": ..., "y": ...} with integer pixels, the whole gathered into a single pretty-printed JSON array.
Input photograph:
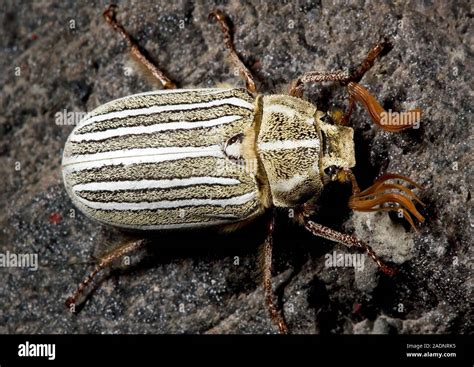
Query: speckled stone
[{"x": 192, "y": 283}]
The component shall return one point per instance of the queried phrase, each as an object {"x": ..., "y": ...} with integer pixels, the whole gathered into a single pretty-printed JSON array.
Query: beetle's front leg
[
  {"x": 371, "y": 199},
  {"x": 109, "y": 15},
  {"x": 296, "y": 87},
  {"x": 244, "y": 71},
  {"x": 106, "y": 261},
  {"x": 345, "y": 239},
  {"x": 275, "y": 313}
]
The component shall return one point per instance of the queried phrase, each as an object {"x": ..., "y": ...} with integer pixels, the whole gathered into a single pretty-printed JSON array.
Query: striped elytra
[{"x": 198, "y": 157}]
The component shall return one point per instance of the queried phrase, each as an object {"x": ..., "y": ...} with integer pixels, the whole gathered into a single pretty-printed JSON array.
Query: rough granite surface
[{"x": 58, "y": 56}]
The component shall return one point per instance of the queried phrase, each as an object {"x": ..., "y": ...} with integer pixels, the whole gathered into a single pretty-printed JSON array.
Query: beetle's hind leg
[
  {"x": 244, "y": 71},
  {"x": 110, "y": 17},
  {"x": 106, "y": 261},
  {"x": 275, "y": 313}
]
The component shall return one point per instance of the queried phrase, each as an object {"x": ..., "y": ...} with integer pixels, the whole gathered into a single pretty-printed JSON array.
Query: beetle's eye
[
  {"x": 235, "y": 138},
  {"x": 326, "y": 118},
  {"x": 330, "y": 171}
]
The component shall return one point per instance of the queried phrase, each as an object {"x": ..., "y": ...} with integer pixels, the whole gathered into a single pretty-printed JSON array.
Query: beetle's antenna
[
  {"x": 381, "y": 193},
  {"x": 392, "y": 122}
]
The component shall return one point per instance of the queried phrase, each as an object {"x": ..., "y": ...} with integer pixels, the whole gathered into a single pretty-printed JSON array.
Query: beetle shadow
[
  {"x": 294, "y": 246},
  {"x": 211, "y": 244},
  {"x": 206, "y": 245}
]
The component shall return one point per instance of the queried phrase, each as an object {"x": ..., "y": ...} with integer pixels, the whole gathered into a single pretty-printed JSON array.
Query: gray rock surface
[{"x": 68, "y": 58}]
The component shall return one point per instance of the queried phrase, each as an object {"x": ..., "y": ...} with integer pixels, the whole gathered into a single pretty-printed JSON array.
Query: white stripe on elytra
[
  {"x": 136, "y": 130},
  {"x": 288, "y": 144},
  {"x": 204, "y": 91},
  {"x": 137, "y": 152},
  {"x": 155, "y": 184},
  {"x": 135, "y": 156},
  {"x": 165, "y": 204},
  {"x": 238, "y": 102}
]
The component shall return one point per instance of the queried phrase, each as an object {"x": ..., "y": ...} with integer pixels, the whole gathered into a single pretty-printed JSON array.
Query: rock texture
[{"x": 57, "y": 57}]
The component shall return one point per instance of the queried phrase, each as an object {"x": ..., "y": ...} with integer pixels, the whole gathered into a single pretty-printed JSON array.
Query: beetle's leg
[
  {"x": 377, "y": 51},
  {"x": 106, "y": 261},
  {"x": 344, "y": 120},
  {"x": 357, "y": 93},
  {"x": 296, "y": 87},
  {"x": 345, "y": 239},
  {"x": 244, "y": 71},
  {"x": 275, "y": 313},
  {"x": 381, "y": 192},
  {"x": 376, "y": 112},
  {"x": 109, "y": 15}
]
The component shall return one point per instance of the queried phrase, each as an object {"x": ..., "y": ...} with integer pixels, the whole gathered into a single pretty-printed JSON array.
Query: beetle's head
[
  {"x": 337, "y": 150},
  {"x": 298, "y": 150}
]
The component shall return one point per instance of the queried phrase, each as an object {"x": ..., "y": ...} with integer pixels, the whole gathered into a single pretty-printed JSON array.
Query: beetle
[{"x": 222, "y": 157}]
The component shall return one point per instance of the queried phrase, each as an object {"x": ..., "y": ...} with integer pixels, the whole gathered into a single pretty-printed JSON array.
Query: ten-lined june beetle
[{"x": 188, "y": 158}]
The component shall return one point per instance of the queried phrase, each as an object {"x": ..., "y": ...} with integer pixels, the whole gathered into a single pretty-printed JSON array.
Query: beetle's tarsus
[
  {"x": 105, "y": 262},
  {"x": 379, "y": 50},
  {"x": 220, "y": 17},
  {"x": 345, "y": 239},
  {"x": 110, "y": 17},
  {"x": 72, "y": 301},
  {"x": 275, "y": 314}
]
